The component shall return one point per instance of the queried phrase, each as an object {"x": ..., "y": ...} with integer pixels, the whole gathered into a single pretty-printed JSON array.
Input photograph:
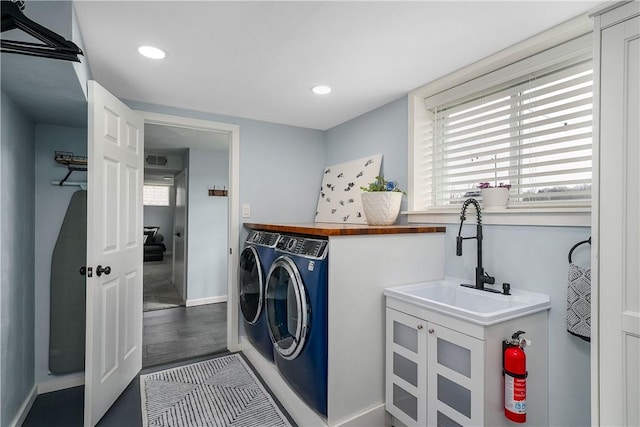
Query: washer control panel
[
  {"x": 263, "y": 238},
  {"x": 303, "y": 246}
]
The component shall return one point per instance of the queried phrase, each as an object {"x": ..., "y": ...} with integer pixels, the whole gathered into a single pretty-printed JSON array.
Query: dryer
[
  {"x": 255, "y": 261},
  {"x": 296, "y": 305}
]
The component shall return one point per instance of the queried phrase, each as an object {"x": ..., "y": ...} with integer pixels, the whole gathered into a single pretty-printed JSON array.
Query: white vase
[
  {"x": 381, "y": 207},
  {"x": 495, "y": 198}
]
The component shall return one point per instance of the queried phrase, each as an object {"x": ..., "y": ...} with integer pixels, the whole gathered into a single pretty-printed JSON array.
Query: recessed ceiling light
[
  {"x": 321, "y": 90},
  {"x": 151, "y": 52}
]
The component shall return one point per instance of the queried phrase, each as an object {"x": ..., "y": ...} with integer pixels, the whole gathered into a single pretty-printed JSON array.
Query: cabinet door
[
  {"x": 619, "y": 246},
  {"x": 406, "y": 360},
  {"x": 455, "y": 378}
]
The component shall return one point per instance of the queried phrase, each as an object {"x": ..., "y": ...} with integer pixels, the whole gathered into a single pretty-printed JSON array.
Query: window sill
[{"x": 562, "y": 217}]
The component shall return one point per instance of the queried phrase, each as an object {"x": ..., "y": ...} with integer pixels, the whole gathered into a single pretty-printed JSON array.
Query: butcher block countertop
[{"x": 330, "y": 229}]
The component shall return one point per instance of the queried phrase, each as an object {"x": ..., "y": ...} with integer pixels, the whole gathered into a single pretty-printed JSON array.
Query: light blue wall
[
  {"x": 51, "y": 203},
  {"x": 16, "y": 259},
  {"x": 207, "y": 225},
  {"x": 532, "y": 258},
  {"x": 281, "y": 166},
  {"x": 381, "y": 131}
]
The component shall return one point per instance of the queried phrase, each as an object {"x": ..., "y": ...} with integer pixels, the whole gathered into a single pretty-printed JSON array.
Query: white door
[
  {"x": 180, "y": 235},
  {"x": 114, "y": 243},
  {"x": 619, "y": 235}
]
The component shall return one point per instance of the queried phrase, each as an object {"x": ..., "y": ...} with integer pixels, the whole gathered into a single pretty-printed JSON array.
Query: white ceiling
[{"x": 259, "y": 59}]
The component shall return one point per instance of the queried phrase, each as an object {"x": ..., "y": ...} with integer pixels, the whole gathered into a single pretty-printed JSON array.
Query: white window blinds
[
  {"x": 155, "y": 195},
  {"x": 532, "y": 132}
]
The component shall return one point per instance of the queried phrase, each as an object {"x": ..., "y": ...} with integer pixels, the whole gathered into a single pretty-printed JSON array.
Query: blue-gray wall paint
[
  {"x": 51, "y": 203},
  {"x": 381, "y": 131},
  {"x": 207, "y": 226},
  {"x": 281, "y": 166},
  {"x": 532, "y": 258},
  {"x": 16, "y": 260}
]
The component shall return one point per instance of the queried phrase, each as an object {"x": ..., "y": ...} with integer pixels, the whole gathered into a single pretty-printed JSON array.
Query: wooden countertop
[{"x": 330, "y": 229}]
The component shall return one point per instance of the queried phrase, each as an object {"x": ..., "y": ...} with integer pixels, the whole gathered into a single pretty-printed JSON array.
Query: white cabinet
[
  {"x": 616, "y": 227},
  {"x": 427, "y": 359},
  {"x": 455, "y": 377},
  {"x": 444, "y": 371},
  {"x": 406, "y": 368}
]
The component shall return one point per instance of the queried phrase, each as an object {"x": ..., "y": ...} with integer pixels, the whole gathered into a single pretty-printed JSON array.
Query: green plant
[
  {"x": 484, "y": 185},
  {"x": 381, "y": 184}
]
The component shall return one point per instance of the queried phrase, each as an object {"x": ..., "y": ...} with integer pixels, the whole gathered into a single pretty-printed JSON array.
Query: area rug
[{"x": 218, "y": 392}]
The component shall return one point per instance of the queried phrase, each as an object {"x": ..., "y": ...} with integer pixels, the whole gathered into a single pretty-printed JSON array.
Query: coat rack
[{"x": 74, "y": 163}]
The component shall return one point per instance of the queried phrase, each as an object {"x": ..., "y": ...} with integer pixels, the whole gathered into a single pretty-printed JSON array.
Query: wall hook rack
[
  {"x": 74, "y": 163},
  {"x": 219, "y": 193}
]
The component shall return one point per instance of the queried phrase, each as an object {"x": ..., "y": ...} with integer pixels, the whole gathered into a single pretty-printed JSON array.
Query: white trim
[
  {"x": 187, "y": 122},
  {"x": 25, "y": 408},
  {"x": 566, "y": 217},
  {"x": 234, "y": 206},
  {"x": 301, "y": 413},
  {"x": 61, "y": 383},
  {"x": 595, "y": 230},
  {"x": 205, "y": 301},
  {"x": 375, "y": 416}
]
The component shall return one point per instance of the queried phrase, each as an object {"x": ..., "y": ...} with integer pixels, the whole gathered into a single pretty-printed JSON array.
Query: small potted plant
[
  {"x": 494, "y": 197},
  {"x": 381, "y": 201}
]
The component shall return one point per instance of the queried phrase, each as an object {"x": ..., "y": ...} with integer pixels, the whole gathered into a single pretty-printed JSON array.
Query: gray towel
[{"x": 579, "y": 302}]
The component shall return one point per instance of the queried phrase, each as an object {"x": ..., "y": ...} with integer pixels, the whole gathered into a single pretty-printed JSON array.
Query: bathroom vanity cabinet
[{"x": 445, "y": 371}]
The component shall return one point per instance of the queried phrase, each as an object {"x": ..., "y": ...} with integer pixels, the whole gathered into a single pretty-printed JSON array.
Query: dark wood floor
[
  {"x": 171, "y": 337},
  {"x": 182, "y": 333}
]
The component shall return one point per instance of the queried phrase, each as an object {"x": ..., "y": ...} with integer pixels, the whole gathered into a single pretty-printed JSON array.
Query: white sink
[{"x": 473, "y": 305}]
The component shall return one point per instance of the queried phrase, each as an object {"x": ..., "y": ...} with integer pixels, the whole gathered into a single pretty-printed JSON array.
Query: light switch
[{"x": 246, "y": 211}]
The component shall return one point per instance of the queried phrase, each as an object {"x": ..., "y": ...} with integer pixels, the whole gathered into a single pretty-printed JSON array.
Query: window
[
  {"x": 155, "y": 195},
  {"x": 534, "y": 135},
  {"x": 527, "y": 125}
]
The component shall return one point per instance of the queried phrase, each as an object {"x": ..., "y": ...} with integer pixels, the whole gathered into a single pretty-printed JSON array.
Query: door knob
[
  {"x": 83, "y": 270},
  {"x": 106, "y": 270}
]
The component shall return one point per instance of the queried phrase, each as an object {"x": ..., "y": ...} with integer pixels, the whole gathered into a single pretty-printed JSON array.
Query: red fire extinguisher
[{"x": 514, "y": 366}]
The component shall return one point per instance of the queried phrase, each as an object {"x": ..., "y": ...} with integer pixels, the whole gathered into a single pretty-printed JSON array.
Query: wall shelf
[{"x": 74, "y": 163}]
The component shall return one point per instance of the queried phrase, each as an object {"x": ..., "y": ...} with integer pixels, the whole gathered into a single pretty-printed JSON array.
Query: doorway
[{"x": 199, "y": 247}]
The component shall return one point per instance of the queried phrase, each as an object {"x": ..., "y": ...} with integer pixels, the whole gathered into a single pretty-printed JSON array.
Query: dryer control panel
[{"x": 303, "y": 246}]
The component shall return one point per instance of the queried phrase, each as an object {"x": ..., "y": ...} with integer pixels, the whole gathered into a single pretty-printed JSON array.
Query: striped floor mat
[{"x": 217, "y": 392}]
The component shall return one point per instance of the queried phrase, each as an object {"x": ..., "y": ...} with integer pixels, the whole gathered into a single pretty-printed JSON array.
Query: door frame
[{"x": 233, "y": 231}]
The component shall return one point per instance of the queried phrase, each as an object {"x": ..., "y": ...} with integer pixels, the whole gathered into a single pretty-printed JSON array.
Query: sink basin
[{"x": 473, "y": 305}]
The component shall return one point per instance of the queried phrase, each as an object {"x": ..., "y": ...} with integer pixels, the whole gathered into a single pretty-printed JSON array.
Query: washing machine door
[
  {"x": 287, "y": 305},
  {"x": 250, "y": 284}
]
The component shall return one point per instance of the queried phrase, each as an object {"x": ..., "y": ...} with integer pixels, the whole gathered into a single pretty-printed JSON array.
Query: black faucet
[{"x": 481, "y": 276}]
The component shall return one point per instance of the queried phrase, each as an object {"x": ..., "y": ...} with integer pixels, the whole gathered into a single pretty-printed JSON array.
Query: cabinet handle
[
  {"x": 431, "y": 331},
  {"x": 419, "y": 327}
]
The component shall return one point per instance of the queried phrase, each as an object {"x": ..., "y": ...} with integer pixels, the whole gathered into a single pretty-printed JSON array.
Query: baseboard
[
  {"x": 297, "y": 409},
  {"x": 205, "y": 301},
  {"x": 376, "y": 416},
  {"x": 25, "y": 408},
  {"x": 61, "y": 383}
]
